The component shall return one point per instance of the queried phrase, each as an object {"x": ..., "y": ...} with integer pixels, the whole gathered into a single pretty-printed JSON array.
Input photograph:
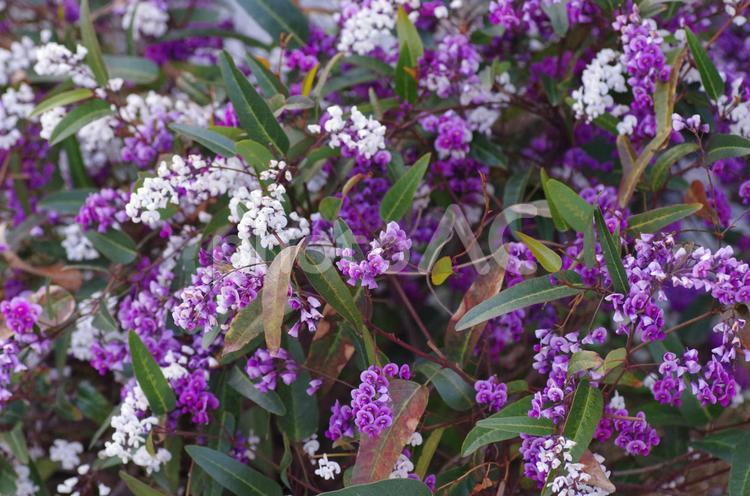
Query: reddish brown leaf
[
  {"x": 276, "y": 293},
  {"x": 594, "y": 469},
  {"x": 697, "y": 194},
  {"x": 70, "y": 279},
  {"x": 459, "y": 344},
  {"x": 377, "y": 456},
  {"x": 331, "y": 349}
]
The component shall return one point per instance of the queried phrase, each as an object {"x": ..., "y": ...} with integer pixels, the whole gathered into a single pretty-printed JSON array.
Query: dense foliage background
[{"x": 374, "y": 247}]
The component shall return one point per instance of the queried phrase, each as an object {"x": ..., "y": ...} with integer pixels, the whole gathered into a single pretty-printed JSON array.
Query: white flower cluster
[
  {"x": 86, "y": 333},
  {"x": 16, "y": 59},
  {"x": 145, "y": 108},
  {"x": 55, "y": 60},
  {"x": 736, "y": 109},
  {"x": 25, "y": 486},
  {"x": 14, "y": 106},
  {"x": 310, "y": 446},
  {"x": 363, "y": 134},
  {"x": 68, "y": 486},
  {"x": 730, "y": 7},
  {"x": 327, "y": 469},
  {"x": 146, "y": 18},
  {"x": 403, "y": 467},
  {"x": 368, "y": 28},
  {"x": 77, "y": 246},
  {"x": 132, "y": 427},
  {"x": 602, "y": 76},
  {"x": 66, "y": 452},
  {"x": 188, "y": 183},
  {"x": 571, "y": 479}
]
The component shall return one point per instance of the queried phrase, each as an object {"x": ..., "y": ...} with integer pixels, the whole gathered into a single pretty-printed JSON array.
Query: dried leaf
[{"x": 594, "y": 469}]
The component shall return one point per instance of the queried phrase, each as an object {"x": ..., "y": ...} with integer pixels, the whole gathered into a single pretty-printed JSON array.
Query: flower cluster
[
  {"x": 389, "y": 248},
  {"x": 370, "y": 406},
  {"x": 265, "y": 368}
]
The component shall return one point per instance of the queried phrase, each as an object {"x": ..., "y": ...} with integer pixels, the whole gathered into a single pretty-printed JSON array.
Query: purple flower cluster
[
  {"x": 551, "y": 359},
  {"x": 445, "y": 70},
  {"x": 265, "y": 368},
  {"x": 20, "y": 316},
  {"x": 390, "y": 247},
  {"x": 309, "y": 315},
  {"x": 341, "y": 422},
  {"x": 103, "y": 210},
  {"x": 194, "y": 396},
  {"x": 502, "y": 13},
  {"x": 491, "y": 392},
  {"x": 149, "y": 140},
  {"x": 370, "y": 401},
  {"x": 9, "y": 365},
  {"x": 453, "y": 134},
  {"x": 634, "y": 435}
]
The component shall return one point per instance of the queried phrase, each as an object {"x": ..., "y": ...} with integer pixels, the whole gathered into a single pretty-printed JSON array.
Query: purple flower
[
  {"x": 103, "y": 210},
  {"x": 20, "y": 315},
  {"x": 370, "y": 405},
  {"x": 265, "y": 368},
  {"x": 491, "y": 392}
]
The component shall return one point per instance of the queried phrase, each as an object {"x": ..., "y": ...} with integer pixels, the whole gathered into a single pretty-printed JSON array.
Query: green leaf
[
  {"x": 246, "y": 325},
  {"x": 482, "y": 436},
  {"x": 217, "y": 143},
  {"x": 389, "y": 487},
  {"x": 611, "y": 249},
  {"x": 329, "y": 207},
  {"x": 61, "y": 99},
  {"x": 137, "y": 70},
  {"x": 268, "y": 82},
  {"x": 710, "y": 77},
  {"x": 88, "y": 35},
  {"x": 278, "y": 17},
  {"x": 523, "y": 294},
  {"x": 328, "y": 283},
  {"x": 78, "y": 171},
  {"x": 487, "y": 152},
  {"x": 428, "y": 452},
  {"x": 66, "y": 202},
  {"x": 114, "y": 244},
  {"x": 557, "y": 13},
  {"x": 560, "y": 224},
  {"x": 659, "y": 172},
  {"x": 441, "y": 271},
  {"x": 92, "y": 404},
  {"x": 275, "y": 294},
  {"x": 410, "y": 52},
  {"x": 138, "y": 487},
  {"x": 15, "y": 440},
  {"x": 231, "y": 474},
  {"x": 550, "y": 260},
  {"x": 513, "y": 193},
  {"x": 269, "y": 401},
  {"x": 721, "y": 444},
  {"x": 584, "y": 360},
  {"x": 722, "y": 146},
  {"x": 301, "y": 419},
  {"x": 589, "y": 250},
  {"x": 521, "y": 424},
  {"x": 74, "y": 120},
  {"x": 252, "y": 111},
  {"x": 653, "y": 220},
  {"x": 739, "y": 475},
  {"x": 255, "y": 154},
  {"x": 399, "y": 198},
  {"x": 583, "y": 417},
  {"x": 147, "y": 372},
  {"x": 574, "y": 209},
  {"x": 452, "y": 388}
]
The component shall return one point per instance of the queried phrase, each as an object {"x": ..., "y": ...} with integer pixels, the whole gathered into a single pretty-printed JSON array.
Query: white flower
[
  {"x": 327, "y": 469},
  {"x": 66, "y": 453},
  {"x": 56, "y": 60},
  {"x": 368, "y": 28},
  {"x": 50, "y": 119},
  {"x": 311, "y": 446},
  {"x": 16, "y": 59},
  {"x": 627, "y": 125},
  {"x": 77, "y": 246},
  {"x": 415, "y": 439},
  {"x": 402, "y": 468},
  {"x": 602, "y": 76},
  {"x": 147, "y": 19},
  {"x": 15, "y": 105},
  {"x": 363, "y": 134},
  {"x": 314, "y": 128}
]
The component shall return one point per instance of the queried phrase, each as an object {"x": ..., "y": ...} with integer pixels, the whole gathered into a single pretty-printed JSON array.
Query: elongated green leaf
[
  {"x": 268, "y": 82},
  {"x": 275, "y": 294},
  {"x": 452, "y": 388},
  {"x": 114, "y": 244},
  {"x": 138, "y": 487},
  {"x": 252, "y": 111},
  {"x": 488, "y": 152},
  {"x": 231, "y": 474},
  {"x": 137, "y": 70},
  {"x": 328, "y": 283},
  {"x": 377, "y": 455},
  {"x": 584, "y": 360},
  {"x": 147, "y": 372},
  {"x": 575, "y": 210},
  {"x": 723, "y": 146},
  {"x": 653, "y": 220},
  {"x": 278, "y": 17},
  {"x": 721, "y": 444},
  {"x": 550, "y": 260},
  {"x": 217, "y": 143},
  {"x": 269, "y": 401},
  {"x": 61, "y": 99},
  {"x": 710, "y": 77},
  {"x": 739, "y": 475},
  {"x": 660, "y": 171},
  {"x": 398, "y": 199},
  {"x": 78, "y": 171},
  {"x": 428, "y": 451},
  {"x": 301, "y": 419},
  {"x": 611, "y": 249},
  {"x": 66, "y": 202},
  {"x": 522, "y": 424},
  {"x": 74, "y": 120},
  {"x": 560, "y": 224},
  {"x": 524, "y": 294},
  {"x": 94, "y": 55},
  {"x": 513, "y": 193},
  {"x": 583, "y": 417},
  {"x": 410, "y": 52},
  {"x": 482, "y": 436},
  {"x": 246, "y": 325},
  {"x": 329, "y": 207},
  {"x": 558, "y": 16},
  {"x": 15, "y": 440},
  {"x": 390, "y": 487},
  {"x": 255, "y": 154}
]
